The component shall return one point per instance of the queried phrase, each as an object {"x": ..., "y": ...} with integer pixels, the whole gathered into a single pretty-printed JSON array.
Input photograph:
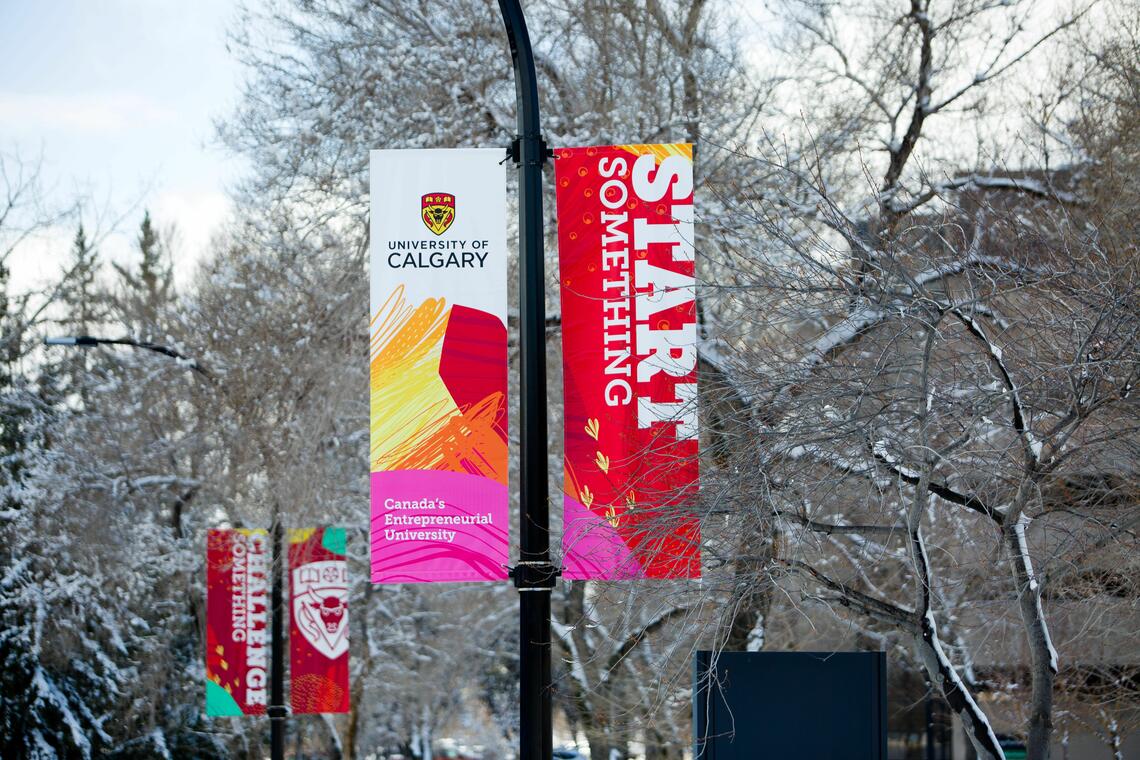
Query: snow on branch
[
  {"x": 841, "y": 334},
  {"x": 1029, "y": 442},
  {"x": 979, "y": 731},
  {"x": 1027, "y": 185},
  {"x": 941, "y": 490},
  {"x": 832, "y": 458},
  {"x": 1034, "y": 587},
  {"x": 1023, "y": 184},
  {"x": 870, "y": 606},
  {"x": 163, "y": 480},
  {"x": 577, "y": 671},
  {"x": 858, "y": 322},
  {"x": 715, "y": 353},
  {"x": 938, "y": 665},
  {"x": 835, "y": 529},
  {"x": 47, "y": 693}
]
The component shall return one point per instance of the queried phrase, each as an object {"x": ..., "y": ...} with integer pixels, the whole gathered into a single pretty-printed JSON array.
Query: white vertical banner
[{"x": 438, "y": 365}]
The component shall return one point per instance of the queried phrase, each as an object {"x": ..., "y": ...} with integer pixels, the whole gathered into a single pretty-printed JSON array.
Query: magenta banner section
[
  {"x": 593, "y": 548},
  {"x": 431, "y": 526}
]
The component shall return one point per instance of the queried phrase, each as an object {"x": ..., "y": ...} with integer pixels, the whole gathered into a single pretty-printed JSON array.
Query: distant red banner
[
  {"x": 629, "y": 341},
  {"x": 318, "y": 630},
  {"x": 237, "y": 622}
]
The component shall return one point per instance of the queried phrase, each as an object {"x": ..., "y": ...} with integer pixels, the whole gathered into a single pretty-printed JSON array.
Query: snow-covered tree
[
  {"x": 919, "y": 429},
  {"x": 927, "y": 361},
  {"x": 384, "y": 74}
]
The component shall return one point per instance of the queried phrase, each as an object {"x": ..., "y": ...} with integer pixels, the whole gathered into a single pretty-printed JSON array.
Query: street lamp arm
[{"x": 158, "y": 348}]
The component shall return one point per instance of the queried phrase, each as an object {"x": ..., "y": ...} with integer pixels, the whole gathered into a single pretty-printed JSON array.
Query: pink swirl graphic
[
  {"x": 431, "y": 526},
  {"x": 593, "y": 549}
]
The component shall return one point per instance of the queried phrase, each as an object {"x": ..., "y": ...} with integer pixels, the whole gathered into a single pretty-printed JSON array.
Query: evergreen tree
[
  {"x": 12, "y": 414},
  {"x": 83, "y": 304},
  {"x": 53, "y": 676},
  {"x": 88, "y": 565},
  {"x": 81, "y": 296},
  {"x": 150, "y": 286}
]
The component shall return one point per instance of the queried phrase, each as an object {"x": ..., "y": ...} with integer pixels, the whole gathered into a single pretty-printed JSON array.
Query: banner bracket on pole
[
  {"x": 534, "y": 576},
  {"x": 514, "y": 151}
]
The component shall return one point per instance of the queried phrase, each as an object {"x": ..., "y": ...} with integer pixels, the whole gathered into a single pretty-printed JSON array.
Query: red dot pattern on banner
[{"x": 621, "y": 473}]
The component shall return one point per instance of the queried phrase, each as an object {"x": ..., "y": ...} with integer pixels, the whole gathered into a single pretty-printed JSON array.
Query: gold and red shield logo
[{"x": 438, "y": 211}]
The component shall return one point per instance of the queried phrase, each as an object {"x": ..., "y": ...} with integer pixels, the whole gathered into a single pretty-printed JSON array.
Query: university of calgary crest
[
  {"x": 320, "y": 596},
  {"x": 438, "y": 211}
]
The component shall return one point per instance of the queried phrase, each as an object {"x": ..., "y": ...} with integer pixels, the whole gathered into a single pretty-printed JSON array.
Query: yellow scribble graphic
[
  {"x": 300, "y": 535},
  {"x": 462, "y": 442},
  {"x": 407, "y": 393},
  {"x": 660, "y": 152},
  {"x": 415, "y": 423}
]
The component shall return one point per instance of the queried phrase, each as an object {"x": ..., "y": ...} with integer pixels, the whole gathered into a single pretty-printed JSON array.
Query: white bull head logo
[
  {"x": 331, "y": 610},
  {"x": 320, "y": 605}
]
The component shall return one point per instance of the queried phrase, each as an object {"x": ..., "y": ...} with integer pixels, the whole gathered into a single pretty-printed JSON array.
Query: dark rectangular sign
[{"x": 802, "y": 705}]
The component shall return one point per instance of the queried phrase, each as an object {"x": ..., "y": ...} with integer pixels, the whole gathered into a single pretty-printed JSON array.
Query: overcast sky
[{"x": 118, "y": 97}]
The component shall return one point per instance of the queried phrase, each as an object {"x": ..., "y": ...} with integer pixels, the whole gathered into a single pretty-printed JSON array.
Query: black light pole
[
  {"x": 534, "y": 575},
  {"x": 276, "y": 708}
]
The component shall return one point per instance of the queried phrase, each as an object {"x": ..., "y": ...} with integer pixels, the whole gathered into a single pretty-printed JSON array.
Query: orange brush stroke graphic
[
  {"x": 415, "y": 423},
  {"x": 660, "y": 152},
  {"x": 465, "y": 442}
]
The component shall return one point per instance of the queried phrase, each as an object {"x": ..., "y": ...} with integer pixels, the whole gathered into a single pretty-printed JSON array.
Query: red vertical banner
[
  {"x": 318, "y": 628},
  {"x": 629, "y": 357},
  {"x": 237, "y": 622}
]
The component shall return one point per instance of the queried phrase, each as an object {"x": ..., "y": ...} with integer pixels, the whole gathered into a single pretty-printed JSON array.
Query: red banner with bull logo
[
  {"x": 629, "y": 340},
  {"x": 237, "y": 622},
  {"x": 318, "y": 629}
]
